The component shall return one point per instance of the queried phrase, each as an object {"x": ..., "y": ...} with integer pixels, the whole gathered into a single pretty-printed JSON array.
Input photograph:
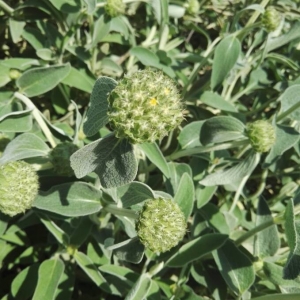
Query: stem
[
  {"x": 119, "y": 211},
  {"x": 202, "y": 149},
  {"x": 238, "y": 193},
  {"x": 6, "y": 7},
  {"x": 37, "y": 115},
  {"x": 256, "y": 13},
  {"x": 287, "y": 112}
]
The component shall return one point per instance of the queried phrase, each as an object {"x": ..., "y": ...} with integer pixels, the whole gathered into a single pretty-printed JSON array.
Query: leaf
[
  {"x": 278, "y": 297},
  {"x": 24, "y": 283},
  {"x": 235, "y": 267},
  {"x": 226, "y": 55},
  {"x": 86, "y": 264},
  {"x": 131, "y": 251},
  {"x": 91, "y": 6},
  {"x": 140, "y": 289},
  {"x": 45, "y": 54},
  {"x": 101, "y": 30},
  {"x": 134, "y": 193},
  {"x": 189, "y": 137},
  {"x": 290, "y": 98},
  {"x": 204, "y": 194},
  {"x": 19, "y": 63},
  {"x": 267, "y": 241},
  {"x": 38, "y": 81},
  {"x": 145, "y": 56},
  {"x": 111, "y": 159},
  {"x": 49, "y": 274},
  {"x": 155, "y": 156},
  {"x": 185, "y": 195},
  {"x": 221, "y": 129},
  {"x": 67, "y": 6},
  {"x": 291, "y": 269},
  {"x": 70, "y": 199},
  {"x": 234, "y": 174},
  {"x": 196, "y": 248},
  {"x": 16, "y": 29},
  {"x": 26, "y": 145},
  {"x": 65, "y": 287},
  {"x": 215, "y": 100},
  {"x": 79, "y": 80},
  {"x": 97, "y": 114},
  {"x": 286, "y": 137}
]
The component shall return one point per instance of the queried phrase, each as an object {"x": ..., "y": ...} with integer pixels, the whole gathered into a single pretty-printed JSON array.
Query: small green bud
[
  {"x": 144, "y": 107},
  {"x": 261, "y": 135},
  {"x": 60, "y": 158},
  {"x": 193, "y": 7},
  {"x": 14, "y": 74},
  {"x": 18, "y": 187},
  {"x": 161, "y": 225},
  {"x": 115, "y": 8},
  {"x": 271, "y": 19}
]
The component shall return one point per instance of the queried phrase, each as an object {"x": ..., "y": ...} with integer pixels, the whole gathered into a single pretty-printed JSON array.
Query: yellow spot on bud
[{"x": 153, "y": 102}]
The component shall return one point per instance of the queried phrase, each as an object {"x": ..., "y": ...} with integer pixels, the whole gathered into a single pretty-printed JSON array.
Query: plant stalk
[{"x": 6, "y": 8}]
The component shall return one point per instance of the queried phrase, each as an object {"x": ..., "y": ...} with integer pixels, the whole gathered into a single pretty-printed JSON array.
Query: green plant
[{"x": 160, "y": 143}]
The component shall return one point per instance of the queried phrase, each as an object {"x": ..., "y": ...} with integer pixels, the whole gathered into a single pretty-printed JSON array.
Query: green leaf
[
  {"x": 97, "y": 114},
  {"x": 15, "y": 120},
  {"x": 91, "y": 6},
  {"x": 226, "y": 55},
  {"x": 189, "y": 137},
  {"x": 155, "y": 156},
  {"x": 111, "y": 159},
  {"x": 235, "y": 267},
  {"x": 70, "y": 199},
  {"x": 140, "y": 289},
  {"x": 221, "y": 129},
  {"x": 16, "y": 29},
  {"x": 286, "y": 138},
  {"x": 19, "y": 63},
  {"x": 278, "y": 297},
  {"x": 134, "y": 193},
  {"x": 4, "y": 75},
  {"x": 26, "y": 145},
  {"x": 38, "y": 81},
  {"x": 45, "y": 54},
  {"x": 292, "y": 228},
  {"x": 49, "y": 274},
  {"x": 65, "y": 287},
  {"x": 145, "y": 56},
  {"x": 215, "y": 100},
  {"x": 267, "y": 241},
  {"x": 290, "y": 98},
  {"x": 86, "y": 264},
  {"x": 101, "y": 30},
  {"x": 196, "y": 248},
  {"x": 204, "y": 194},
  {"x": 185, "y": 195},
  {"x": 34, "y": 37},
  {"x": 79, "y": 80},
  {"x": 234, "y": 174},
  {"x": 67, "y": 6},
  {"x": 131, "y": 250},
  {"x": 24, "y": 283}
]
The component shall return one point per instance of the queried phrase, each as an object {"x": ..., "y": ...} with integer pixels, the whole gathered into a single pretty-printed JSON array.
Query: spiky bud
[
  {"x": 18, "y": 187},
  {"x": 114, "y": 8},
  {"x": 261, "y": 135},
  {"x": 271, "y": 19},
  {"x": 144, "y": 107},
  {"x": 193, "y": 7},
  {"x": 161, "y": 225},
  {"x": 60, "y": 158}
]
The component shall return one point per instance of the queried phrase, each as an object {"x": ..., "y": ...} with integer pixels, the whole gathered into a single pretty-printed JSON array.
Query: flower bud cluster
[
  {"x": 161, "y": 225},
  {"x": 60, "y": 158},
  {"x": 114, "y": 8},
  {"x": 144, "y": 107},
  {"x": 18, "y": 187},
  {"x": 262, "y": 135},
  {"x": 271, "y": 19}
]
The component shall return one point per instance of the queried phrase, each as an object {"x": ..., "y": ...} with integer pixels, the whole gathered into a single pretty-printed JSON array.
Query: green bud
[
  {"x": 115, "y": 8},
  {"x": 271, "y": 19},
  {"x": 60, "y": 158},
  {"x": 161, "y": 225},
  {"x": 18, "y": 187},
  {"x": 144, "y": 107},
  {"x": 261, "y": 135},
  {"x": 14, "y": 74},
  {"x": 193, "y": 7}
]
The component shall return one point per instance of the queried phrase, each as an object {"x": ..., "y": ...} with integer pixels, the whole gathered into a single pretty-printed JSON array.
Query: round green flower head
[
  {"x": 193, "y": 7},
  {"x": 161, "y": 225},
  {"x": 114, "y": 8},
  {"x": 19, "y": 186},
  {"x": 271, "y": 19},
  {"x": 144, "y": 107},
  {"x": 60, "y": 158},
  {"x": 261, "y": 135}
]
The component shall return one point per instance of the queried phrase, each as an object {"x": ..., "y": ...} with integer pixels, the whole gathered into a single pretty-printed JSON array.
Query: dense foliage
[{"x": 149, "y": 149}]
